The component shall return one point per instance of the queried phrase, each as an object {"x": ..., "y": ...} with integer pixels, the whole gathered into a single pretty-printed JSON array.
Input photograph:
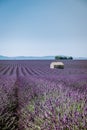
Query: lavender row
[
  {"x": 42, "y": 68},
  {"x": 42, "y": 98},
  {"x": 50, "y": 105},
  {"x": 8, "y": 103}
]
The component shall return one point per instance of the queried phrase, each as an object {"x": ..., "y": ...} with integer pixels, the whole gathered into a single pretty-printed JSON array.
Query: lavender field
[{"x": 35, "y": 97}]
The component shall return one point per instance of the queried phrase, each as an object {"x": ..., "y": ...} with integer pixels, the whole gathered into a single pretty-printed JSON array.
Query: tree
[
  {"x": 63, "y": 58},
  {"x": 70, "y": 58}
]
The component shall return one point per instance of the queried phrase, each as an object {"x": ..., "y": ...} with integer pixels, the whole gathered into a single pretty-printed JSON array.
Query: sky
[{"x": 43, "y": 27}]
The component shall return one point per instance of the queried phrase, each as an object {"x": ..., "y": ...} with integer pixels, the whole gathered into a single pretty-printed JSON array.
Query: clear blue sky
[{"x": 43, "y": 27}]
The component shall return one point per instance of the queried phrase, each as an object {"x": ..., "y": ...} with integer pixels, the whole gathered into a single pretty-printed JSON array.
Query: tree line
[{"x": 63, "y": 58}]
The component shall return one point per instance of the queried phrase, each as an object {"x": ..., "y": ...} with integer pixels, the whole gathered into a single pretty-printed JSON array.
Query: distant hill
[
  {"x": 27, "y": 58},
  {"x": 80, "y": 58},
  {"x": 3, "y": 57},
  {"x": 36, "y": 58}
]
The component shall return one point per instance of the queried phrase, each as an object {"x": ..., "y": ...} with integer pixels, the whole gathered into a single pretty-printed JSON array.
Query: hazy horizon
[{"x": 43, "y": 28}]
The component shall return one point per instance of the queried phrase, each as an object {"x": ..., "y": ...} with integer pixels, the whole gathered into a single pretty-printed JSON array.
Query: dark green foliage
[
  {"x": 70, "y": 58},
  {"x": 63, "y": 58}
]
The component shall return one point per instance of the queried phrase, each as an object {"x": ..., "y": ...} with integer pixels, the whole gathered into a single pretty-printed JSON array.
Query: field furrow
[{"x": 35, "y": 97}]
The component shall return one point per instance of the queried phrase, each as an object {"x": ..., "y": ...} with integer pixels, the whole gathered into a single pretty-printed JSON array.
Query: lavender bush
[{"x": 35, "y": 97}]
